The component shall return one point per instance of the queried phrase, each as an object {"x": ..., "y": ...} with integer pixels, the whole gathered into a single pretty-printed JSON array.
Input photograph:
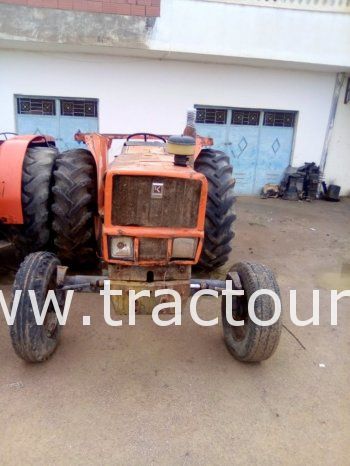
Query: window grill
[
  {"x": 33, "y": 106},
  {"x": 79, "y": 108},
  {"x": 215, "y": 116},
  {"x": 241, "y": 117},
  {"x": 279, "y": 119}
]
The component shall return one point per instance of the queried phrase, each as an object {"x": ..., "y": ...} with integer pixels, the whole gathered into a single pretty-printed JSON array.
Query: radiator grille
[
  {"x": 153, "y": 249},
  {"x": 132, "y": 204}
]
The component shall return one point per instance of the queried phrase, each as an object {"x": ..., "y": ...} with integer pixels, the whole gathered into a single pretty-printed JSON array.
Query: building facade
[{"x": 268, "y": 78}]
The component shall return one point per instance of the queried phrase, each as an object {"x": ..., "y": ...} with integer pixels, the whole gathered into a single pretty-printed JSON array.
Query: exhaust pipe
[{"x": 190, "y": 129}]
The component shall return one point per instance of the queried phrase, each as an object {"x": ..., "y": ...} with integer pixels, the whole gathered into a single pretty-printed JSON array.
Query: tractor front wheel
[
  {"x": 252, "y": 342},
  {"x": 74, "y": 207},
  {"x": 33, "y": 342},
  {"x": 219, "y": 216}
]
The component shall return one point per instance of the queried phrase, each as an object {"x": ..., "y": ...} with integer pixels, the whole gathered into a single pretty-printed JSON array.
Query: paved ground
[{"x": 174, "y": 396}]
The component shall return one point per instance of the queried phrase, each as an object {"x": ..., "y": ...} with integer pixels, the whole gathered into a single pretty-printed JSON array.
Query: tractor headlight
[
  {"x": 122, "y": 247},
  {"x": 184, "y": 248}
]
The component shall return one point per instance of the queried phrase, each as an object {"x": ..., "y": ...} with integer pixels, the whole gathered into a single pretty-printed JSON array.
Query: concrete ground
[{"x": 174, "y": 395}]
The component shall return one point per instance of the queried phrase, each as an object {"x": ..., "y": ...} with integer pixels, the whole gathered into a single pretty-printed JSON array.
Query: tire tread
[
  {"x": 74, "y": 206},
  {"x": 35, "y": 233},
  {"x": 259, "y": 342},
  {"x": 29, "y": 340},
  {"x": 220, "y": 216}
]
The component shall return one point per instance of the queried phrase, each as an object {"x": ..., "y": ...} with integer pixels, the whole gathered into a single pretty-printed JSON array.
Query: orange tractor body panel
[
  {"x": 99, "y": 145},
  {"x": 142, "y": 160},
  {"x": 12, "y": 153},
  {"x": 152, "y": 165}
]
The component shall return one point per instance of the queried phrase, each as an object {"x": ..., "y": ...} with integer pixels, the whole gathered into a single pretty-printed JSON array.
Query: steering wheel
[
  {"x": 145, "y": 136},
  {"x": 6, "y": 133}
]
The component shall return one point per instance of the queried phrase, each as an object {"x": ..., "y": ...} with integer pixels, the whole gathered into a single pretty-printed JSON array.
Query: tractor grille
[
  {"x": 153, "y": 249},
  {"x": 135, "y": 202}
]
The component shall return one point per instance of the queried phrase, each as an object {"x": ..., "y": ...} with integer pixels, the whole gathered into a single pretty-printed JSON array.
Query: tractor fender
[
  {"x": 12, "y": 153},
  {"x": 98, "y": 145}
]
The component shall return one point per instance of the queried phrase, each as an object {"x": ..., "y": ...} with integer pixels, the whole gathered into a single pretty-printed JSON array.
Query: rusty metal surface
[
  {"x": 142, "y": 161},
  {"x": 159, "y": 273},
  {"x": 98, "y": 146},
  {"x": 125, "y": 165},
  {"x": 81, "y": 136},
  {"x": 201, "y": 141},
  {"x": 145, "y": 305},
  {"x": 153, "y": 248},
  {"x": 178, "y": 206},
  {"x": 139, "y": 232},
  {"x": 83, "y": 283}
]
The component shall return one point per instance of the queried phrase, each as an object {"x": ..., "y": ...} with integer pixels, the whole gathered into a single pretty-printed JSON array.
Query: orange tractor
[{"x": 161, "y": 207}]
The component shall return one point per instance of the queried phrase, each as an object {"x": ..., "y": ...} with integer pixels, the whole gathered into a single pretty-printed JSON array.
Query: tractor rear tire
[
  {"x": 252, "y": 342},
  {"x": 33, "y": 342},
  {"x": 34, "y": 234},
  {"x": 74, "y": 206},
  {"x": 219, "y": 216}
]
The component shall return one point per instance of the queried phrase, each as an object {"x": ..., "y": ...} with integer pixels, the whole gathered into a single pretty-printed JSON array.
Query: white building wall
[
  {"x": 337, "y": 169},
  {"x": 226, "y": 30},
  {"x": 153, "y": 95},
  {"x": 196, "y": 30}
]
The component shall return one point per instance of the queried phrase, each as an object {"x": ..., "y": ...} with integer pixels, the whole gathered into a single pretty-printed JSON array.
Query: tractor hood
[{"x": 152, "y": 159}]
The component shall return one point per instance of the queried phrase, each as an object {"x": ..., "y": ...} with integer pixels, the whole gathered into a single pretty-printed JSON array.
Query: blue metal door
[
  {"x": 275, "y": 148},
  {"x": 212, "y": 122},
  {"x": 37, "y": 116},
  {"x": 242, "y": 144},
  {"x": 259, "y": 143},
  {"x": 60, "y": 118}
]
